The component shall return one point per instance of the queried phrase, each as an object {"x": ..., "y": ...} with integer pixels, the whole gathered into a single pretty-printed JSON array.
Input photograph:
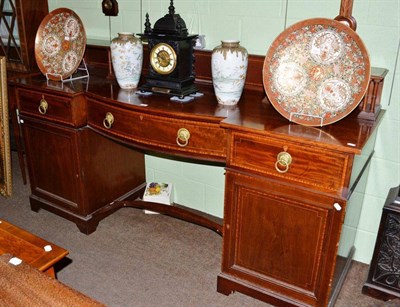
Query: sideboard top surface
[{"x": 253, "y": 113}]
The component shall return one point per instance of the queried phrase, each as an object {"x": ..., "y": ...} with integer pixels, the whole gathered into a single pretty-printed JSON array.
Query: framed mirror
[{"x": 5, "y": 158}]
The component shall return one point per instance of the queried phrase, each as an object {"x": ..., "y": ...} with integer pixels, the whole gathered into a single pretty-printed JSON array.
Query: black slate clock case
[{"x": 171, "y": 29}]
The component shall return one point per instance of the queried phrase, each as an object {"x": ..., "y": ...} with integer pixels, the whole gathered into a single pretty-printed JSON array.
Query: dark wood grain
[
  {"x": 97, "y": 54},
  {"x": 72, "y": 170},
  {"x": 29, "y": 248},
  {"x": 383, "y": 277},
  {"x": 281, "y": 230},
  {"x": 296, "y": 233},
  {"x": 345, "y": 14},
  {"x": 29, "y": 15}
]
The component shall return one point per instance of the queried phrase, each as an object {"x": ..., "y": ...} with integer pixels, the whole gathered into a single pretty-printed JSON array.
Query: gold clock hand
[{"x": 163, "y": 59}]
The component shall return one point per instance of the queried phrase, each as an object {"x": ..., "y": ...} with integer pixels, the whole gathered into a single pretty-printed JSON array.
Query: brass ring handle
[
  {"x": 108, "y": 120},
  {"x": 284, "y": 159},
  {"x": 43, "y": 105},
  {"x": 283, "y": 163},
  {"x": 183, "y": 137}
]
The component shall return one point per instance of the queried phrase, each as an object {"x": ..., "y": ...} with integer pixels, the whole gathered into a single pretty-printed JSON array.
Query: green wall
[{"x": 256, "y": 23}]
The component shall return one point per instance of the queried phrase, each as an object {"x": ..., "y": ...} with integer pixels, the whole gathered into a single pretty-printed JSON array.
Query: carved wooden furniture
[
  {"x": 287, "y": 189},
  {"x": 371, "y": 103},
  {"x": 20, "y": 20},
  {"x": 287, "y": 192},
  {"x": 73, "y": 171},
  {"x": 345, "y": 14},
  {"x": 29, "y": 248},
  {"x": 383, "y": 280}
]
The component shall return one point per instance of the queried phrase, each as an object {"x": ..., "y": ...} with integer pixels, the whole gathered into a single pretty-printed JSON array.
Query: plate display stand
[{"x": 81, "y": 72}]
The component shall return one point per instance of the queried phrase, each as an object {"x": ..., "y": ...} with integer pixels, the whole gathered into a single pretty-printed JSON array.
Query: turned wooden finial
[{"x": 345, "y": 17}]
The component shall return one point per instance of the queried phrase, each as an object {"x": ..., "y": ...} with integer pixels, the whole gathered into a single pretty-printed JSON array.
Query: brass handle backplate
[
  {"x": 43, "y": 105},
  {"x": 183, "y": 137},
  {"x": 283, "y": 160},
  {"x": 108, "y": 120}
]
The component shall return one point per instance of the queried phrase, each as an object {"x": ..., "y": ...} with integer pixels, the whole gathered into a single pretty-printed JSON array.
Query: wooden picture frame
[{"x": 5, "y": 155}]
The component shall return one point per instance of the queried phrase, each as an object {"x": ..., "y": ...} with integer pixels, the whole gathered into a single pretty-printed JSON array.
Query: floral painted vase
[
  {"x": 127, "y": 59},
  {"x": 228, "y": 68}
]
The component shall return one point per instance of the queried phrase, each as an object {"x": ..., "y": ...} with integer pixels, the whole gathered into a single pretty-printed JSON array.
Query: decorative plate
[
  {"x": 60, "y": 44},
  {"x": 316, "y": 72}
]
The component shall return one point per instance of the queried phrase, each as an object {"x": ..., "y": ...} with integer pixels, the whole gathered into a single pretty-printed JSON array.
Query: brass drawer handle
[
  {"x": 183, "y": 137},
  {"x": 43, "y": 105},
  {"x": 284, "y": 159},
  {"x": 108, "y": 120}
]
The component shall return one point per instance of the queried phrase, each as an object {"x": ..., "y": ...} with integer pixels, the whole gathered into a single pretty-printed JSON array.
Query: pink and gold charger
[{"x": 316, "y": 72}]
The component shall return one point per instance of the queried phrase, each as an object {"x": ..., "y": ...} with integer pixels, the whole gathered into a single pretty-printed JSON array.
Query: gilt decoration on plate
[
  {"x": 316, "y": 72},
  {"x": 60, "y": 44}
]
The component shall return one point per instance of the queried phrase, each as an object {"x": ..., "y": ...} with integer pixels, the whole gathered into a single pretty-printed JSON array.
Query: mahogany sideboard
[{"x": 284, "y": 239}]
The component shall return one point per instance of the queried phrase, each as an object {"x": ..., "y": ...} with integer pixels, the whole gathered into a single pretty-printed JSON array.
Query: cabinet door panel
[
  {"x": 279, "y": 237},
  {"x": 53, "y": 168},
  {"x": 288, "y": 250}
]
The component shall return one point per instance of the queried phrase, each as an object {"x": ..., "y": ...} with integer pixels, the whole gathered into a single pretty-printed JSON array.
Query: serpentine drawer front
[
  {"x": 303, "y": 165},
  {"x": 65, "y": 110},
  {"x": 203, "y": 140}
]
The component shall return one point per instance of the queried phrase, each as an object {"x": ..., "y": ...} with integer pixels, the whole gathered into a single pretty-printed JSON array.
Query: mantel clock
[{"x": 171, "y": 58}]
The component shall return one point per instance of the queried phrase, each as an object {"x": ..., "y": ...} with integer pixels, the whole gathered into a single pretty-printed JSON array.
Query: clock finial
[
  {"x": 147, "y": 25},
  {"x": 171, "y": 8},
  {"x": 170, "y": 24}
]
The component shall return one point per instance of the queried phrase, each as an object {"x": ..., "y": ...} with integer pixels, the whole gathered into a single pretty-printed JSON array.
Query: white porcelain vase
[
  {"x": 127, "y": 59},
  {"x": 228, "y": 68}
]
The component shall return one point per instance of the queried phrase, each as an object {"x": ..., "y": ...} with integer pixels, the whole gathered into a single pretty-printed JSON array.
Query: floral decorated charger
[
  {"x": 316, "y": 72},
  {"x": 60, "y": 44}
]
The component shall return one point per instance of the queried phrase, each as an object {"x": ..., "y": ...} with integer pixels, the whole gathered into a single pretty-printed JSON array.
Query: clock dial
[{"x": 163, "y": 58}]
